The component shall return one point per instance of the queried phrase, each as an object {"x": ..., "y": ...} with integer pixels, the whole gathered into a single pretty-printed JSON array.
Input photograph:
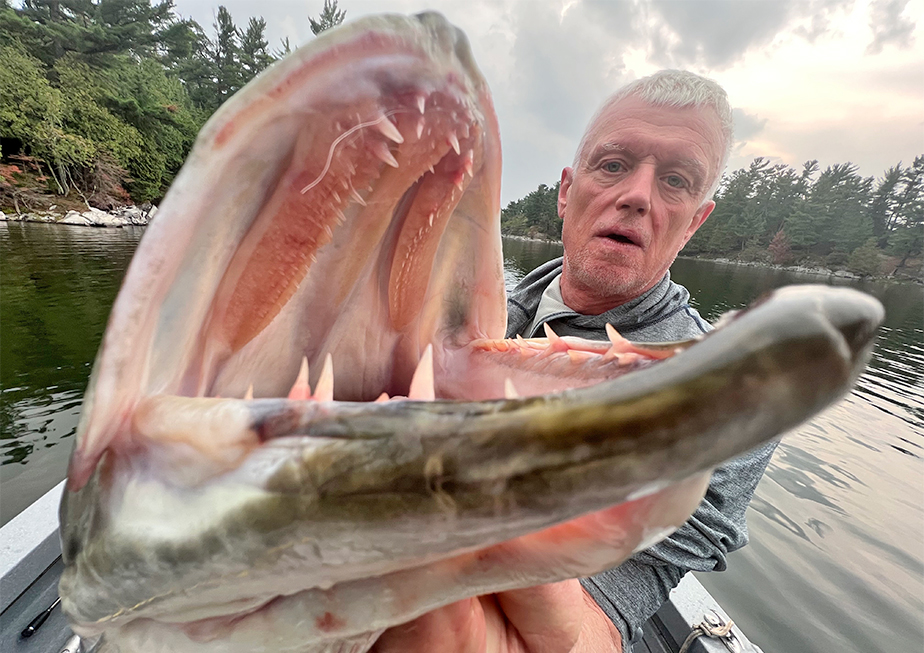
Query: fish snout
[{"x": 856, "y": 316}]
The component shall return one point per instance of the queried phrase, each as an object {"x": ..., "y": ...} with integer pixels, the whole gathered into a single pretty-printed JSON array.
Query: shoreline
[
  {"x": 124, "y": 216},
  {"x": 133, "y": 216},
  {"x": 814, "y": 270}
]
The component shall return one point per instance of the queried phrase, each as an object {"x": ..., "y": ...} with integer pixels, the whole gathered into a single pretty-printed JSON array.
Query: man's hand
[{"x": 556, "y": 618}]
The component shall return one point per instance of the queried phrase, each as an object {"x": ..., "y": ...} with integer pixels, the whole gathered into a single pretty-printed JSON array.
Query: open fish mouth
[{"x": 304, "y": 424}]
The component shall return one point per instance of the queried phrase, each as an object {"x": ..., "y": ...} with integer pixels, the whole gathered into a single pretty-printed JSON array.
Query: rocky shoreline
[
  {"x": 817, "y": 271},
  {"x": 125, "y": 216},
  {"x": 801, "y": 269}
]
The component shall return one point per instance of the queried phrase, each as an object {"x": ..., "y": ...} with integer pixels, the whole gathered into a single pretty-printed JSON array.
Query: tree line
[
  {"x": 104, "y": 98},
  {"x": 774, "y": 213}
]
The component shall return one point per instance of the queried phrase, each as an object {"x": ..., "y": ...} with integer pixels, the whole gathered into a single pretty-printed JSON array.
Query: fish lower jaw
[{"x": 358, "y": 609}]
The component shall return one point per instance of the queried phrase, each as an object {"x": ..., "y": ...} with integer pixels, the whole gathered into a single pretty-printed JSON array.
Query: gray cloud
[
  {"x": 716, "y": 33},
  {"x": 551, "y": 62},
  {"x": 563, "y": 64},
  {"x": 747, "y": 125},
  {"x": 817, "y": 17},
  {"x": 889, "y": 26}
]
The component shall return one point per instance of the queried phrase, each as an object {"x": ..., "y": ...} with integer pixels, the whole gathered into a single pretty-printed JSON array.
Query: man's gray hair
[{"x": 675, "y": 88}]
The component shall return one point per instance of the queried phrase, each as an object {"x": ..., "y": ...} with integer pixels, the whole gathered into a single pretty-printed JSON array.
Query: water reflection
[
  {"x": 57, "y": 285},
  {"x": 522, "y": 256},
  {"x": 835, "y": 562}
]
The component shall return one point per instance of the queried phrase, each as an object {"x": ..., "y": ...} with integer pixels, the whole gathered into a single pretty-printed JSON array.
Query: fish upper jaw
[{"x": 317, "y": 215}]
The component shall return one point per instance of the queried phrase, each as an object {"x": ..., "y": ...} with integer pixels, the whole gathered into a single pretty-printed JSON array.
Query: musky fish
[{"x": 304, "y": 424}]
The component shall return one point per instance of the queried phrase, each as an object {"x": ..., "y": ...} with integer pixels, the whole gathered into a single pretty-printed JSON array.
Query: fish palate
[{"x": 304, "y": 424}]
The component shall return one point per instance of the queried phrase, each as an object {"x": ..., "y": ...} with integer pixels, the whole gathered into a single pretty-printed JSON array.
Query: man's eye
[
  {"x": 612, "y": 166},
  {"x": 676, "y": 181}
]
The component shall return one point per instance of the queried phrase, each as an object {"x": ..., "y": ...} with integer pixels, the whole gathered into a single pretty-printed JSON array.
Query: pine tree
[
  {"x": 330, "y": 17},
  {"x": 254, "y": 56},
  {"x": 226, "y": 56}
]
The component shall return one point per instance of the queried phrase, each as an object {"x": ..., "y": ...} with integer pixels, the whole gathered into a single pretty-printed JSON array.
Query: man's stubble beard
[{"x": 607, "y": 280}]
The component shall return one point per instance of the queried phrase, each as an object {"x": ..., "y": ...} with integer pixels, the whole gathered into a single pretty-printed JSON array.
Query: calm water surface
[{"x": 835, "y": 561}]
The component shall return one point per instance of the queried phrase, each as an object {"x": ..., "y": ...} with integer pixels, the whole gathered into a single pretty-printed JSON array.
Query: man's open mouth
[{"x": 626, "y": 238}]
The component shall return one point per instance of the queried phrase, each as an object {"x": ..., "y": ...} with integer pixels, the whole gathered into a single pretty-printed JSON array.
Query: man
[{"x": 640, "y": 186}]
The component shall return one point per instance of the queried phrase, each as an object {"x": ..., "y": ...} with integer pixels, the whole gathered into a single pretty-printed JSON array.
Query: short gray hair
[{"x": 674, "y": 88}]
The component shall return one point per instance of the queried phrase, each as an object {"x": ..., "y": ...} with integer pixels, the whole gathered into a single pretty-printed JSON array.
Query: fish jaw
[
  {"x": 289, "y": 233},
  {"x": 428, "y": 502}
]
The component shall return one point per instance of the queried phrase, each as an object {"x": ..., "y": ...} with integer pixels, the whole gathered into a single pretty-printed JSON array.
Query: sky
[{"x": 832, "y": 80}]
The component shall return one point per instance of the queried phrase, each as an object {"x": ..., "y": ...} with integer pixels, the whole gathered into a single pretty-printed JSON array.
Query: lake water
[{"x": 836, "y": 560}]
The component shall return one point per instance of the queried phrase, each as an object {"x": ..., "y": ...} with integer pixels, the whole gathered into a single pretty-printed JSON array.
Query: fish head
[{"x": 304, "y": 424}]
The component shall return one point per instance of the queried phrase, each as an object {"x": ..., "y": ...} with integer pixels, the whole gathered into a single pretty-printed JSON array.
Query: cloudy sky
[{"x": 833, "y": 80}]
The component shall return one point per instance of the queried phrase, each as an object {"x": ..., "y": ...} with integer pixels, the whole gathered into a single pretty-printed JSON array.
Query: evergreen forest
[
  {"x": 101, "y": 100},
  {"x": 772, "y": 213}
]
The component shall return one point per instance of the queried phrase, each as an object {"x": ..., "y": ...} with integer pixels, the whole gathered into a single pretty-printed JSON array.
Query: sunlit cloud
[{"x": 832, "y": 80}]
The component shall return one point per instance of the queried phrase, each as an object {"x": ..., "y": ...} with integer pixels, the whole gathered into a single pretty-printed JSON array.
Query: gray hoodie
[{"x": 630, "y": 593}]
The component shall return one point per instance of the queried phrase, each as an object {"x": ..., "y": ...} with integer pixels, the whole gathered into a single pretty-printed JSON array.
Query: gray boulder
[{"x": 75, "y": 218}]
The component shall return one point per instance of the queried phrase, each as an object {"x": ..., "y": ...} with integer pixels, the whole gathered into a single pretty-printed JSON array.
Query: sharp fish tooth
[
  {"x": 357, "y": 197},
  {"x": 389, "y": 130},
  {"x": 422, "y": 382},
  {"x": 382, "y": 152},
  {"x": 421, "y": 102},
  {"x": 509, "y": 391},
  {"x": 419, "y": 129},
  {"x": 613, "y": 335},
  {"x": 324, "y": 390},
  {"x": 618, "y": 344},
  {"x": 468, "y": 162},
  {"x": 577, "y": 356},
  {"x": 249, "y": 394},
  {"x": 381, "y": 398},
  {"x": 555, "y": 341},
  {"x": 454, "y": 141},
  {"x": 301, "y": 389},
  {"x": 430, "y": 219}
]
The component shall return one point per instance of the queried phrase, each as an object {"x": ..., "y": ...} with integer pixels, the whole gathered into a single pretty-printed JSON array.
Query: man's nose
[{"x": 635, "y": 195}]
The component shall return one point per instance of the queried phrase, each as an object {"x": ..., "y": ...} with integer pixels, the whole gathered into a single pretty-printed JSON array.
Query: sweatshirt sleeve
[{"x": 630, "y": 593}]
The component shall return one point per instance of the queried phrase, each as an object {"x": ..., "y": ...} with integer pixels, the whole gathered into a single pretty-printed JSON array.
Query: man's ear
[
  {"x": 698, "y": 219},
  {"x": 567, "y": 175}
]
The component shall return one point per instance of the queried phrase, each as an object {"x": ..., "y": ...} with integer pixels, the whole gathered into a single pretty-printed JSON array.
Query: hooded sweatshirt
[
  {"x": 630, "y": 593},
  {"x": 661, "y": 314}
]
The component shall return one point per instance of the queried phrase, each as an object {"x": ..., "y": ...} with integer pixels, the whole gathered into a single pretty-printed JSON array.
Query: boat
[{"x": 31, "y": 620}]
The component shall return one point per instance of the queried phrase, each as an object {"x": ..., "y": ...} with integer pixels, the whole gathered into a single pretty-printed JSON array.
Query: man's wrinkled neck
[{"x": 586, "y": 301}]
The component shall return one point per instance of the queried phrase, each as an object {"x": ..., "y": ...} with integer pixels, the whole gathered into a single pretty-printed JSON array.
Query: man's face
[{"x": 634, "y": 199}]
